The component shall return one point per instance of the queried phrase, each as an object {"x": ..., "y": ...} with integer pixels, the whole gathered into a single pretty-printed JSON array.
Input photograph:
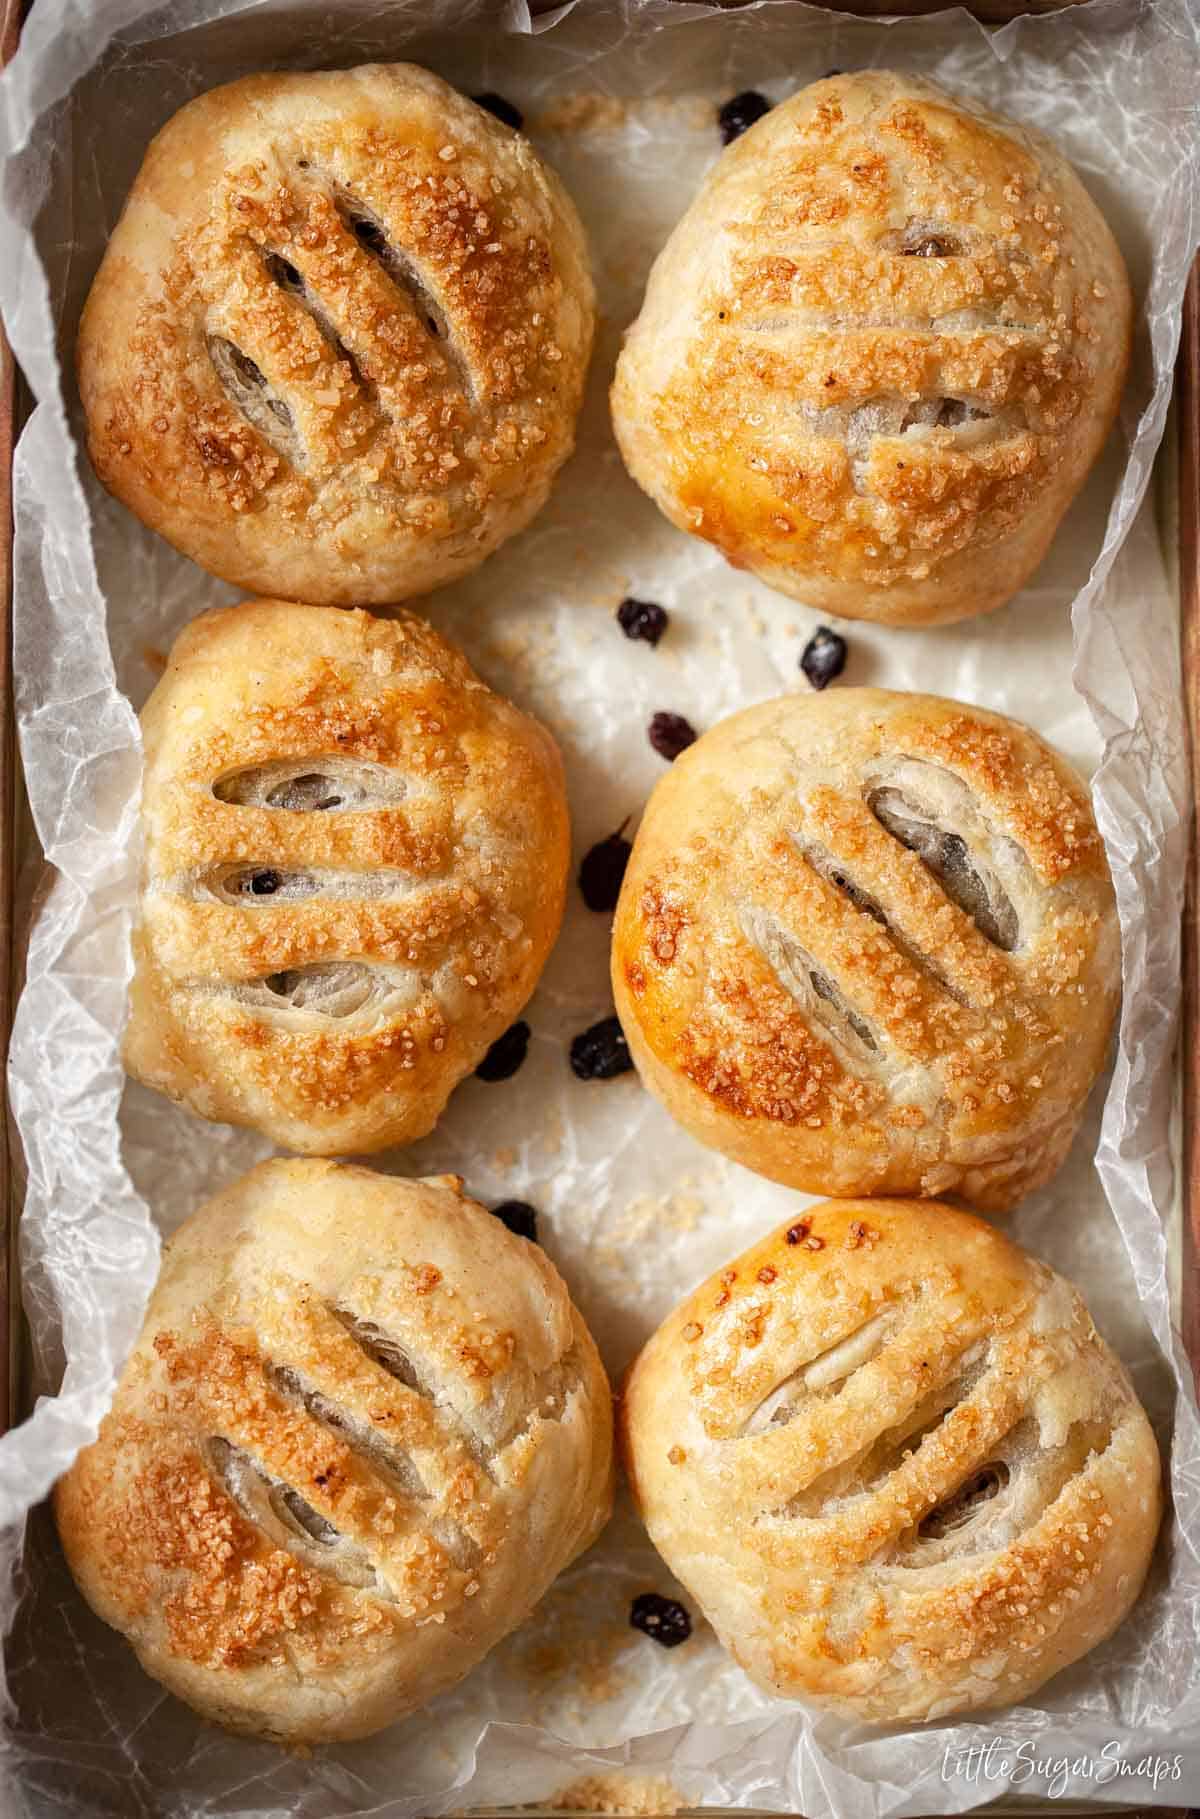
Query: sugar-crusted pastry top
[
  {"x": 891, "y": 1457},
  {"x": 361, "y": 1432},
  {"x": 337, "y": 344},
  {"x": 354, "y": 869},
  {"x": 880, "y": 351},
  {"x": 867, "y": 942}
]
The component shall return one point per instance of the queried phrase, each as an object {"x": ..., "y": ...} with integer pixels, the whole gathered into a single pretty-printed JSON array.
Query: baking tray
[
  {"x": 11, "y": 1402},
  {"x": 1177, "y": 485}
]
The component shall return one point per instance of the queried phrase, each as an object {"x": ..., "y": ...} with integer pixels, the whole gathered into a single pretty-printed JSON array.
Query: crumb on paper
[
  {"x": 553, "y": 1134},
  {"x": 617, "y": 1793},
  {"x": 571, "y": 1664},
  {"x": 679, "y": 1211},
  {"x": 627, "y": 1795},
  {"x": 676, "y": 1211},
  {"x": 591, "y": 112}
]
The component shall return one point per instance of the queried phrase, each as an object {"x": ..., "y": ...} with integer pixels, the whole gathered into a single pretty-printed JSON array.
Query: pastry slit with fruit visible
[
  {"x": 880, "y": 352},
  {"x": 355, "y": 865},
  {"x": 900, "y": 974},
  {"x": 337, "y": 345},
  {"x": 895, "y": 1465},
  {"x": 362, "y": 1430}
]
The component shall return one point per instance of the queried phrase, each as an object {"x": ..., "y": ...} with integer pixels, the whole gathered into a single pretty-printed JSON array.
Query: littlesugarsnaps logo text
[{"x": 1006, "y": 1763}]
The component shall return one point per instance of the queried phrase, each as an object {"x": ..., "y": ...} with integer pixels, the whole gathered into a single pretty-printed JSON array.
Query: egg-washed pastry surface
[
  {"x": 337, "y": 344},
  {"x": 355, "y": 860},
  {"x": 867, "y": 943},
  {"x": 879, "y": 353},
  {"x": 889, "y": 1455},
  {"x": 361, "y": 1432}
]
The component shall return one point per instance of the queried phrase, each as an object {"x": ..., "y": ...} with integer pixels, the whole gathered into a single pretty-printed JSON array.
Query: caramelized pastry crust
[
  {"x": 354, "y": 869},
  {"x": 891, "y": 1458},
  {"x": 867, "y": 943},
  {"x": 337, "y": 344},
  {"x": 362, "y": 1431},
  {"x": 879, "y": 353}
]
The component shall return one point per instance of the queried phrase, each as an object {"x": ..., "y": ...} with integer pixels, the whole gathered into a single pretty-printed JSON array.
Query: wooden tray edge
[
  {"x": 11, "y": 13},
  {"x": 1187, "y": 410}
]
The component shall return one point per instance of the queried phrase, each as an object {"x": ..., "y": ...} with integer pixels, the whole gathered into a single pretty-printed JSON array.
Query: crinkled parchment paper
[{"x": 621, "y": 99}]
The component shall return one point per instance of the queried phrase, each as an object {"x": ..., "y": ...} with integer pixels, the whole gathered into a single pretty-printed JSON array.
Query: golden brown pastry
[
  {"x": 867, "y": 943},
  {"x": 362, "y": 1431},
  {"x": 337, "y": 344},
  {"x": 889, "y": 1455},
  {"x": 354, "y": 869},
  {"x": 879, "y": 353}
]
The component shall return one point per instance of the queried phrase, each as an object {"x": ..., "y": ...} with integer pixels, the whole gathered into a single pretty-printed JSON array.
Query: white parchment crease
[{"x": 632, "y": 1211}]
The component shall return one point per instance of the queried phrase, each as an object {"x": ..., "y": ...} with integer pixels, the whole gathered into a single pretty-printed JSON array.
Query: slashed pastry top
[
  {"x": 867, "y": 943},
  {"x": 354, "y": 869},
  {"x": 889, "y": 1455},
  {"x": 362, "y": 1431},
  {"x": 879, "y": 353},
  {"x": 337, "y": 344}
]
